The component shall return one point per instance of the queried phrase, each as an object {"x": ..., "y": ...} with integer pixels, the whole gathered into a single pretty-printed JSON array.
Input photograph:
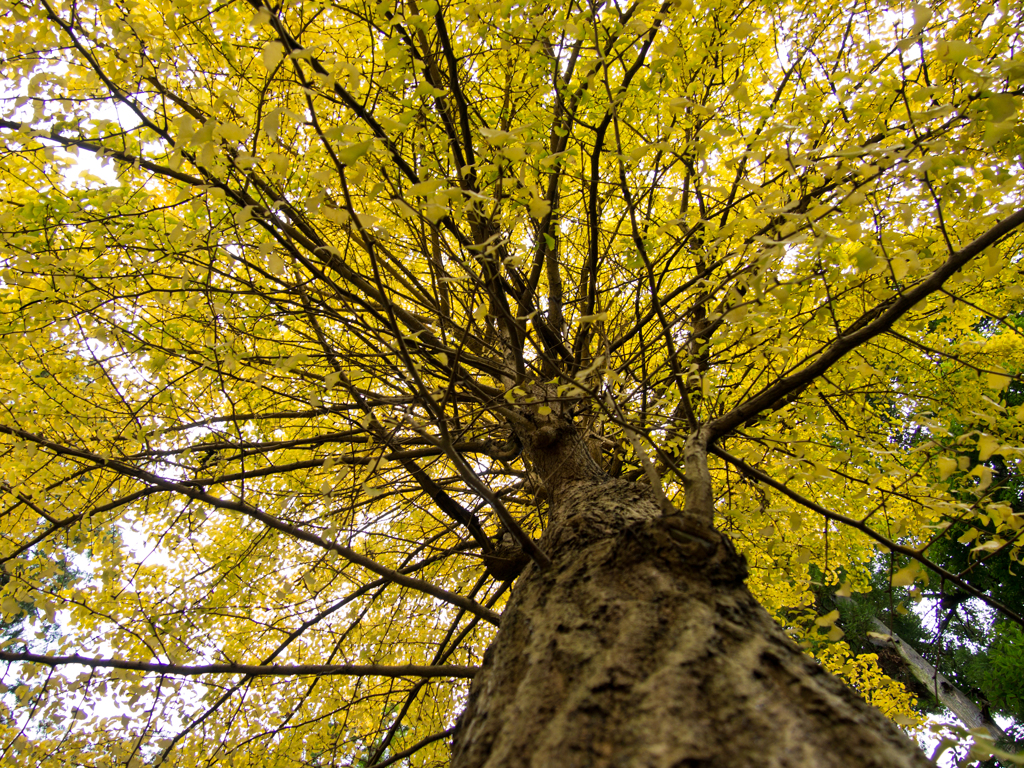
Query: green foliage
[{"x": 1000, "y": 673}]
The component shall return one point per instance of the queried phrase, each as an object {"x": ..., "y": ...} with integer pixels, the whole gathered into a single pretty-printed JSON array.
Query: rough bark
[{"x": 641, "y": 646}]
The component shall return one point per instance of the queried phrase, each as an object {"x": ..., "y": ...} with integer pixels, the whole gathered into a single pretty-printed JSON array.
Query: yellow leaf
[
  {"x": 350, "y": 154},
  {"x": 1001, "y": 107},
  {"x": 425, "y": 188},
  {"x": 922, "y": 15},
  {"x": 494, "y": 136},
  {"x": 905, "y": 576},
  {"x": 515, "y": 152},
  {"x": 539, "y": 208},
  {"x": 273, "y": 54},
  {"x": 970, "y": 536},
  {"x": 742, "y": 30},
  {"x": 998, "y": 379},
  {"x": 987, "y": 445},
  {"x": 737, "y": 315},
  {"x": 947, "y": 466},
  {"x": 391, "y": 125},
  {"x": 272, "y": 124},
  {"x": 865, "y": 258},
  {"x": 828, "y": 619},
  {"x": 990, "y": 546},
  {"x": 435, "y": 212},
  {"x": 740, "y": 94},
  {"x": 984, "y": 475},
  {"x": 955, "y": 51},
  {"x": 10, "y": 607}
]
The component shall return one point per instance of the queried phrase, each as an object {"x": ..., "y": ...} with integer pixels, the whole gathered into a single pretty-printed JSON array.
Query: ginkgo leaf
[
  {"x": 956, "y": 51},
  {"x": 538, "y": 208},
  {"x": 425, "y": 188},
  {"x": 1002, "y": 106},
  {"x": 922, "y": 15},
  {"x": 998, "y": 379},
  {"x": 514, "y": 152},
  {"x": 906, "y": 576},
  {"x": 992, "y": 545},
  {"x": 947, "y": 466},
  {"x": 987, "y": 446},
  {"x": 272, "y": 54},
  {"x": 969, "y": 536},
  {"x": 262, "y": 17},
  {"x": 828, "y": 619},
  {"x": 352, "y": 153}
]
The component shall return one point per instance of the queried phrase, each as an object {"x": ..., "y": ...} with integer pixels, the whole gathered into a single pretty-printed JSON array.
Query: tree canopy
[{"x": 282, "y": 284}]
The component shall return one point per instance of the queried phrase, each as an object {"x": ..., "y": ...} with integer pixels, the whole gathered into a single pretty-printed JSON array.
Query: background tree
[
  {"x": 977, "y": 652},
  {"x": 323, "y": 322}
]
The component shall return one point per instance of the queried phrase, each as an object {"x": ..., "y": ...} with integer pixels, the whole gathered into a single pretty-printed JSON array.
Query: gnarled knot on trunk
[
  {"x": 507, "y": 560},
  {"x": 703, "y": 547},
  {"x": 546, "y": 436}
]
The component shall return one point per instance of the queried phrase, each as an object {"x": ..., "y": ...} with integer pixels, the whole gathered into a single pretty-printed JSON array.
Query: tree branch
[
  {"x": 913, "y": 554},
  {"x": 252, "y": 670},
  {"x": 872, "y": 323},
  {"x": 413, "y": 749},
  {"x": 268, "y": 520}
]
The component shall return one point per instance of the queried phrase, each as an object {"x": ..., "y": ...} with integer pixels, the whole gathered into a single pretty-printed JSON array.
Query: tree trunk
[
  {"x": 936, "y": 683},
  {"x": 641, "y": 646}
]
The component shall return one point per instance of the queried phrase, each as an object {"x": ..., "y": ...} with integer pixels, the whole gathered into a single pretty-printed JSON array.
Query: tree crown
[{"x": 311, "y": 311}]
